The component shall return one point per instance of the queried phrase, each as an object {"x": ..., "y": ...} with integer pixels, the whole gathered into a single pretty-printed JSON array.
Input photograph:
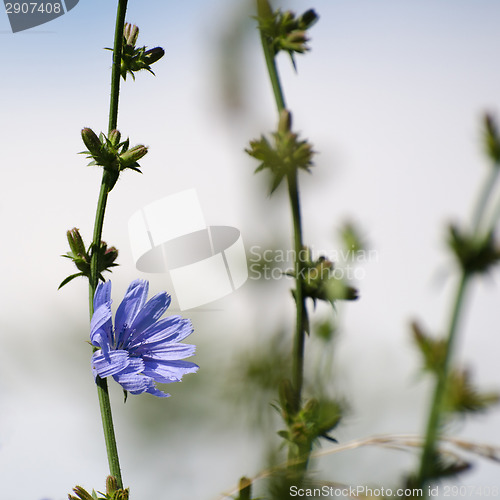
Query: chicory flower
[{"x": 141, "y": 348}]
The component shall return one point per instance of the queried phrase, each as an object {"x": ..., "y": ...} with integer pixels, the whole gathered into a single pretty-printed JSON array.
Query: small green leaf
[{"x": 69, "y": 278}]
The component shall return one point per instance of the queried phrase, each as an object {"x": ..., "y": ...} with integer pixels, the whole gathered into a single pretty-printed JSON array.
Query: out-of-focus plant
[
  {"x": 476, "y": 252},
  {"x": 283, "y": 157}
]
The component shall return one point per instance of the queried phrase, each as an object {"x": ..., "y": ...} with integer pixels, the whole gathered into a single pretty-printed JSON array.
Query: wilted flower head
[{"x": 141, "y": 348}]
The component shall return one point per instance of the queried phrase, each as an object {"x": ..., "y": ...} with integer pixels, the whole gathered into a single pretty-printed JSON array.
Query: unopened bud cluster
[
  {"x": 136, "y": 58},
  {"x": 315, "y": 419},
  {"x": 287, "y": 153},
  {"x": 112, "y": 492},
  {"x": 112, "y": 154},
  {"x": 319, "y": 281},
  {"x": 475, "y": 254},
  {"x": 285, "y": 30},
  {"x": 82, "y": 257}
]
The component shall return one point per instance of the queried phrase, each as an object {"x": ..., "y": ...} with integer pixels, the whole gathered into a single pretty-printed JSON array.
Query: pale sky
[{"x": 391, "y": 97}]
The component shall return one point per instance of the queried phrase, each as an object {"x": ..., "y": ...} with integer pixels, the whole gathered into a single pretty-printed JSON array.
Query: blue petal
[
  {"x": 168, "y": 371},
  {"x": 156, "y": 392},
  {"x": 138, "y": 383},
  {"x": 113, "y": 362},
  {"x": 131, "y": 378},
  {"x": 164, "y": 352},
  {"x": 102, "y": 294},
  {"x": 132, "y": 303},
  {"x": 101, "y": 325},
  {"x": 149, "y": 315},
  {"x": 167, "y": 330},
  {"x": 100, "y": 338}
]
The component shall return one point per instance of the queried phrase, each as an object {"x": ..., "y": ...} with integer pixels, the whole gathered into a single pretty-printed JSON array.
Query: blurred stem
[
  {"x": 427, "y": 462},
  {"x": 102, "y": 384},
  {"x": 245, "y": 489},
  {"x": 485, "y": 195},
  {"x": 263, "y": 11},
  {"x": 271, "y": 66}
]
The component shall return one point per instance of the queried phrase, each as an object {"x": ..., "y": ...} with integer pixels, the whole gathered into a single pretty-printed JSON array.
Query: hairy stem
[
  {"x": 293, "y": 193},
  {"x": 102, "y": 385}
]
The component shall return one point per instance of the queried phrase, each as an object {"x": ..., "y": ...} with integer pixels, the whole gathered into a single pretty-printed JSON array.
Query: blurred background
[{"x": 391, "y": 96}]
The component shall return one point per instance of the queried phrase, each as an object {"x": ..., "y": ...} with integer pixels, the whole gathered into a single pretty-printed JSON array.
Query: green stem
[
  {"x": 293, "y": 193},
  {"x": 117, "y": 62},
  {"x": 299, "y": 340},
  {"x": 427, "y": 461},
  {"x": 432, "y": 434},
  {"x": 484, "y": 197},
  {"x": 102, "y": 385},
  {"x": 273, "y": 73}
]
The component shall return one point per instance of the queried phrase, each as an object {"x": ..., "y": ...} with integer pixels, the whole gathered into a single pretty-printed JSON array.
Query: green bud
[
  {"x": 285, "y": 122},
  {"x": 130, "y": 33},
  {"x": 130, "y": 157},
  {"x": 114, "y": 138},
  {"x": 76, "y": 242},
  {"x": 153, "y": 55},
  {"x": 111, "y": 485},
  {"x": 329, "y": 415},
  {"x": 310, "y": 410},
  {"x": 92, "y": 142},
  {"x": 307, "y": 19},
  {"x": 475, "y": 254},
  {"x": 287, "y": 17},
  {"x": 81, "y": 493},
  {"x": 297, "y": 37}
]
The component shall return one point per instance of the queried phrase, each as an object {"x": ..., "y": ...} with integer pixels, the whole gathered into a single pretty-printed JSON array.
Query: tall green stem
[
  {"x": 102, "y": 385},
  {"x": 293, "y": 193},
  {"x": 484, "y": 197},
  {"x": 427, "y": 461},
  {"x": 299, "y": 341},
  {"x": 432, "y": 433}
]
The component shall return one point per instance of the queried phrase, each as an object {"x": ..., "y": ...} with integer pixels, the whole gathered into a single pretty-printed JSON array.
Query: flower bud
[
  {"x": 81, "y": 493},
  {"x": 111, "y": 485},
  {"x": 76, "y": 242},
  {"x": 285, "y": 123},
  {"x": 297, "y": 37},
  {"x": 131, "y": 156},
  {"x": 288, "y": 17},
  {"x": 130, "y": 33},
  {"x": 153, "y": 55},
  {"x": 114, "y": 138},
  {"x": 92, "y": 142},
  {"x": 307, "y": 19}
]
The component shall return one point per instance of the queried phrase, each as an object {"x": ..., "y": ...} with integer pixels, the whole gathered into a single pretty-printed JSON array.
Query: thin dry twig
[{"x": 389, "y": 441}]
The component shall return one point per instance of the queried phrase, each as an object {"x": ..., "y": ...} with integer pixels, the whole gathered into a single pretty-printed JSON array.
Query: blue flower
[{"x": 141, "y": 349}]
